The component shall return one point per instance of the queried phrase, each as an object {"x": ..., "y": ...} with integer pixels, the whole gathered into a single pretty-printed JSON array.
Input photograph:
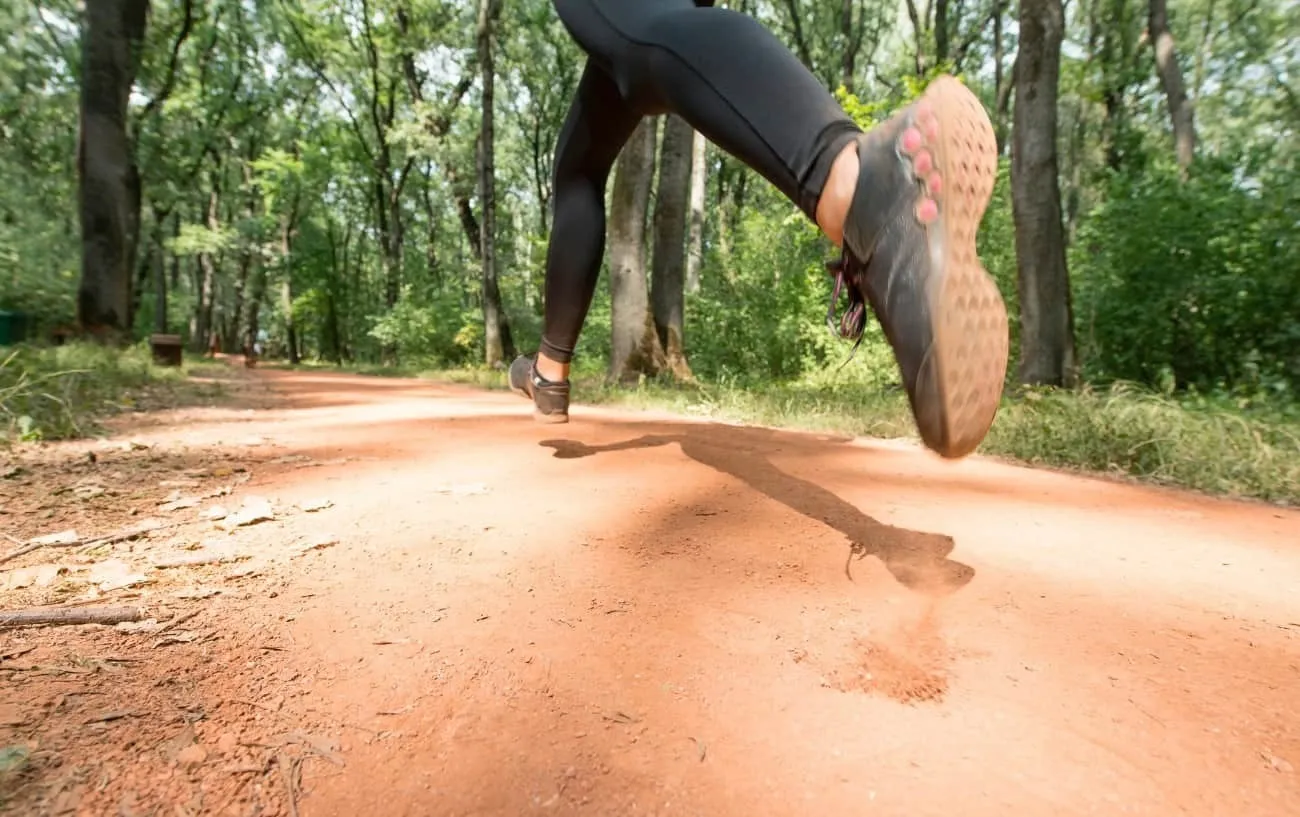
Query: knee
[{"x": 580, "y": 194}]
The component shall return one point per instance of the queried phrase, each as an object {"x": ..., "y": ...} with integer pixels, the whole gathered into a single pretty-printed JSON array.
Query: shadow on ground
[{"x": 916, "y": 559}]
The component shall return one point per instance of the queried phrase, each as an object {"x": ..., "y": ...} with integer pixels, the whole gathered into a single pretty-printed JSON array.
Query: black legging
[{"x": 727, "y": 76}]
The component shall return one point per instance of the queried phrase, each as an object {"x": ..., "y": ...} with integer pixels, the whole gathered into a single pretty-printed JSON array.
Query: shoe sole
[{"x": 968, "y": 358}]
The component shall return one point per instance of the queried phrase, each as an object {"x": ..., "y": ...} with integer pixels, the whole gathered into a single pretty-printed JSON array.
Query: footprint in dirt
[{"x": 918, "y": 560}]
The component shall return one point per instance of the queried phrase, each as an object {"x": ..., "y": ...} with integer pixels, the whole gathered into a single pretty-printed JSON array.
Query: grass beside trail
[
  {"x": 56, "y": 393},
  {"x": 1213, "y": 446}
]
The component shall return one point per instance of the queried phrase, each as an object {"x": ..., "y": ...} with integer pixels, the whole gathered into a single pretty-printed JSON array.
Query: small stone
[
  {"x": 193, "y": 755},
  {"x": 255, "y": 509}
]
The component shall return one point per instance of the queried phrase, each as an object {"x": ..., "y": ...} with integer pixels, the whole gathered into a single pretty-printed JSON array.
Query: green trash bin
[{"x": 13, "y": 327}]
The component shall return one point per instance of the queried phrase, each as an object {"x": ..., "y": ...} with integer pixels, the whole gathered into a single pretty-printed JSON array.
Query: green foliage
[
  {"x": 761, "y": 312},
  {"x": 196, "y": 239},
  {"x": 441, "y": 333},
  {"x": 59, "y": 392},
  {"x": 1206, "y": 295}
]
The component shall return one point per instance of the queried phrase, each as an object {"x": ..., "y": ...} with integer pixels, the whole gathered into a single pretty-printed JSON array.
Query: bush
[
  {"x": 56, "y": 393},
  {"x": 1191, "y": 285}
]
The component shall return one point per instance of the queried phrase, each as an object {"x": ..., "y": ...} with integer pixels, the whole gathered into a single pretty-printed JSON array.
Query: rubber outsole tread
[{"x": 970, "y": 333}]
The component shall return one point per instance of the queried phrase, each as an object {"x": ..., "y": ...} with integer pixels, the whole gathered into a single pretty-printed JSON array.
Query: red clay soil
[{"x": 638, "y": 614}]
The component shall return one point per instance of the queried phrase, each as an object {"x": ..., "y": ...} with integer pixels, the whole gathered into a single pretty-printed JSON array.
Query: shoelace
[{"x": 847, "y": 271}]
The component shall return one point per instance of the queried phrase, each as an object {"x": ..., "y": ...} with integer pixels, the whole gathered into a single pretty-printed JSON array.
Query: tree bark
[
  {"x": 290, "y": 328},
  {"x": 1000, "y": 83},
  {"x": 1171, "y": 79},
  {"x": 942, "y": 37},
  {"x": 160, "y": 278},
  {"x": 1047, "y": 354},
  {"x": 497, "y": 343},
  {"x": 207, "y": 266},
  {"x": 695, "y": 239},
  {"x": 668, "y": 274},
  {"x": 431, "y": 232},
  {"x": 634, "y": 349},
  {"x": 848, "y": 54},
  {"x": 109, "y": 189}
]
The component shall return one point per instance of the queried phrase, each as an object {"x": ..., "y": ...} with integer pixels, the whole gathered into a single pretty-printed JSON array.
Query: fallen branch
[
  {"x": 111, "y": 539},
  {"x": 289, "y": 773},
  {"x": 181, "y": 619},
  {"x": 81, "y": 615}
]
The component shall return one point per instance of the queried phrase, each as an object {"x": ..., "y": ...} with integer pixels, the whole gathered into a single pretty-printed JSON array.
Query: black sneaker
[
  {"x": 909, "y": 250},
  {"x": 550, "y": 399}
]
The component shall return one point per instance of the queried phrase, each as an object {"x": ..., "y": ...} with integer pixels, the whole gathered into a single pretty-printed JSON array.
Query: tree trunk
[
  {"x": 287, "y": 224},
  {"x": 1001, "y": 87},
  {"x": 942, "y": 49},
  {"x": 1047, "y": 353},
  {"x": 1115, "y": 54},
  {"x": 1171, "y": 78},
  {"x": 695, "y": 239},
  {"x": 160, "y": 278},
  {"x": 143, "y": 272},
  {"x": 333, "y": 345},
  {"x": 290, "y": 328},
  {"x": 152, "y": 269},
  {"x": 497, "y": 343},
  {"x": 634, "y": 347},
  {"x": 848, "y": 54},
  {"x": 109, "y": 190},
  {"x": 202, "y": 339},
  {"x": 235, "y": 328},
  {"x": 668, "y": 272},
  {"x": 257, "y": 293},
  {"x": 431, "y": 232}
]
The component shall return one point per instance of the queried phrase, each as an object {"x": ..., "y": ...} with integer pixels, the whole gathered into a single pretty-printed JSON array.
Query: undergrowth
[{"x": 61, "y": 392}]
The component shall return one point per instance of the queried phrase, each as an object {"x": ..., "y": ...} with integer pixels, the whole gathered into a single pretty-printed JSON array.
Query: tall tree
[
  {"x": 497, "y": 343},
  {"x": 634, "y": 346},
  {"x": 1171, "y": 79},
  {"x": 1047, "y": 354},
  {"x": 668, "y": 273},
  {"x": 695, "y": 233},
  {"x": 111, "y": 39}
]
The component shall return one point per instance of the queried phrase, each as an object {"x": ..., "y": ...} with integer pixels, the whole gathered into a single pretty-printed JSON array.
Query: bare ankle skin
[
  {"x": 550, "y": 370},
  {"x": 837, "y": 195}
]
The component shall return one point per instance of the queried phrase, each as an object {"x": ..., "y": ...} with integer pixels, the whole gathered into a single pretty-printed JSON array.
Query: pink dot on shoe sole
[
  {"x": 911, "y": 141},
  {"x": 927, "y": 211},
  {"x": 924, "y": 163},
  {"x": 934, "y": 184}
]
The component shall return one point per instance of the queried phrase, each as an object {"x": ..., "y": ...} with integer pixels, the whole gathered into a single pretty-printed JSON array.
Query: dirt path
[{"x": 643, "y": 615}]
